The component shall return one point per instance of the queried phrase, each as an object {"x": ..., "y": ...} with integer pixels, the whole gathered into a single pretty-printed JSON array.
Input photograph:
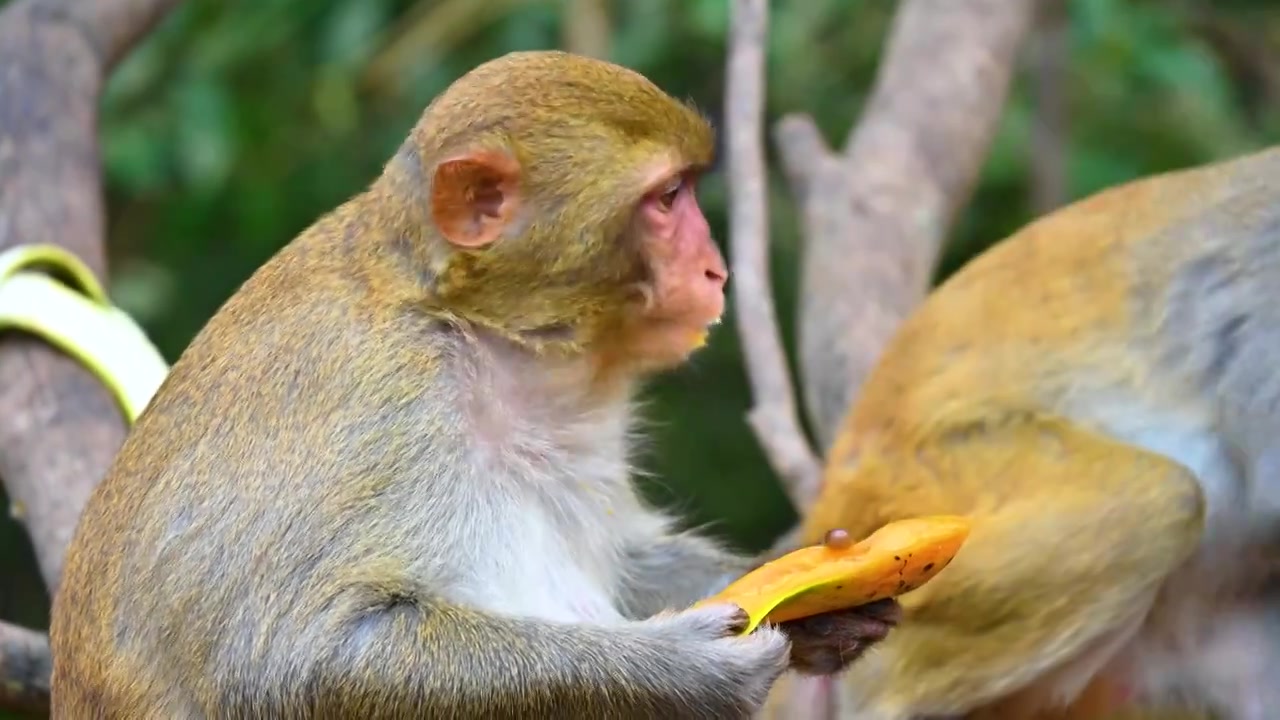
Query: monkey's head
[{"x": 559, "y": 197}]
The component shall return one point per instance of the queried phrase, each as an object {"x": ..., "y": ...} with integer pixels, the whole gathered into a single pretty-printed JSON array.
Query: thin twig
[
  {"x": 1050, "y": 55},
  {"x": 773, "y": 417},
  {"x": 586, "y": 28}
]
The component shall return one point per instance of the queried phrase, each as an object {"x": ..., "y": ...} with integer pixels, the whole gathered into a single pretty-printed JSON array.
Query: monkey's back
[
  {"x": 162, "y": 583},
  {"x": 107, "y": 663},
  {"x": 1073, "y": 307}
]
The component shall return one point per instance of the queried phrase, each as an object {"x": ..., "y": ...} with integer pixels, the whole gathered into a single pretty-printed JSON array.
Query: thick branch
[
  {"x": 24, "y": 670},
  {"x": 59, "y": 428},
  {"x": 876, "y": 219},
  {"x": 112, "y": 27},
  {"x": 773, "y": 418}
]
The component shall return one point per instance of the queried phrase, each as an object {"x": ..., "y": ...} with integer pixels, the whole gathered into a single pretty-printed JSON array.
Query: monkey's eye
[{"x": 667, "y": 199}]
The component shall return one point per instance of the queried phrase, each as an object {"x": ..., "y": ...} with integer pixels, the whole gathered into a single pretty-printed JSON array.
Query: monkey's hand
[
  {"x": 825, "y": 644},
  {"x": 732, "y": 665}
]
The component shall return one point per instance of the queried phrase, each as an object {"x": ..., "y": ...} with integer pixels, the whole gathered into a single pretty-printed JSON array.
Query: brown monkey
[
  {"x": 389, "y": 478},
  {"x": 1100, "y": 395}
]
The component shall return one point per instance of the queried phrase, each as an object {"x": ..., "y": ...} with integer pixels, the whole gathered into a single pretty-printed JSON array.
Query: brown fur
[
  {"x": 389, "y": 479},
  {"x": 1098, "y": 394}
]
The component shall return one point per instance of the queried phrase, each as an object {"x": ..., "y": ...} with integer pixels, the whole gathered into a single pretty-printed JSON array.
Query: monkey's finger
[
  {"x": 821, "y": 660},
  {"x": 845, "y": 628},
  {"x": 710, "y": 621},
  {"x": 828, "y": 649}
]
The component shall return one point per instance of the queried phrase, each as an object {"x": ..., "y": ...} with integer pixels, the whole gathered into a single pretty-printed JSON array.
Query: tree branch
[
  {"x": 1050, "y": 54},
  {"x": 1244, "y": 53},
  {"x": 59, "y": 428},
  {"x": 433, "y": 29},
  {"x": 876, "y": 216},
  {"x": 59, "y": 431},
  {"x": 112, "y": 27},
  {"x": 586, "y": 28},
  {"x": 25, "y": 666},
  {"x": 773, "y": 417}
]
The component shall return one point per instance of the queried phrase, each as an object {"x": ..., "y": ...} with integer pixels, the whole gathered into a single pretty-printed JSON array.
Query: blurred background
[{"x": 237, "y": 123}]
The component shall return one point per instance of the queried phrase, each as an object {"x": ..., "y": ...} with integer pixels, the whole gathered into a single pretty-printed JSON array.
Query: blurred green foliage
[{"x": 237, "y": 123}]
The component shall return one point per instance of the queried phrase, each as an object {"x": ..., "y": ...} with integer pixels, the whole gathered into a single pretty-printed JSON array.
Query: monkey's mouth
[{"x": 700, "y": 337}]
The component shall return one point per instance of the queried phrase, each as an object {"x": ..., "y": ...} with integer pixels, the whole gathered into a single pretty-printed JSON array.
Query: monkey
[
  {"x": 390, "y": 477},
  {"x": 1098, "y": 394}
]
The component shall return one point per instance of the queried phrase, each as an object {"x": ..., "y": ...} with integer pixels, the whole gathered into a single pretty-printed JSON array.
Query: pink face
[
  {"x": 475, "y": 198},
  {"x": 689, "y": 273}
]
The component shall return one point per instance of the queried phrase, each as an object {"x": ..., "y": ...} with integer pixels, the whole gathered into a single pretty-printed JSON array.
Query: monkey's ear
[{"x": 474, "y": 197}]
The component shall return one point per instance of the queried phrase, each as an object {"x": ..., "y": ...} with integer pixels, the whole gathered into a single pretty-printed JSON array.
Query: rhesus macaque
[
  {"x": 389, "y": 479},
  {"x": 1100, "y": 395}
]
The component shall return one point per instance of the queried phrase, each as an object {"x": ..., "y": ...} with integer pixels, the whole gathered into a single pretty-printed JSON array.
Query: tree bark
[
  {"x": 876, "y": 214},
  {"x": 25, "y": 665},
  {"x": 59, "y": 428},
  {"x": 773, "y": 416},
  {"x": 587, "y": 28},
  {"x": 1051, "y": 51}
]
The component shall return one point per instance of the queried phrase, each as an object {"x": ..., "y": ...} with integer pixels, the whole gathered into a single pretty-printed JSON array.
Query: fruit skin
[{"x": 899, "y": 557}]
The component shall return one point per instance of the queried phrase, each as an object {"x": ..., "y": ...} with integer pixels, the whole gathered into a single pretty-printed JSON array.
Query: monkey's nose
[{"x": 717, "y": 273}]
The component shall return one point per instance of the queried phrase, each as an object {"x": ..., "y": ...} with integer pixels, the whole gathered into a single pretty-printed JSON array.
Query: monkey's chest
[{"x": 544, "y": 565}]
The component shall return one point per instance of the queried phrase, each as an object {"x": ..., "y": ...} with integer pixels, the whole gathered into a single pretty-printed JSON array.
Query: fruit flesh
[{"x": 899, "y": 557}]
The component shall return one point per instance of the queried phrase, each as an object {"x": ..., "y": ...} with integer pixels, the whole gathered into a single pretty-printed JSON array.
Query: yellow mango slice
[{"x": 899, "y": 557}]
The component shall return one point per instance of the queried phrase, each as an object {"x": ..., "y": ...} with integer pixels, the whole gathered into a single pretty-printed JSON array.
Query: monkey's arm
[
  {"x": 675, "y": 570},
  {"x": 1072, "y": 535},
  {"x": 419, "y": 658}
]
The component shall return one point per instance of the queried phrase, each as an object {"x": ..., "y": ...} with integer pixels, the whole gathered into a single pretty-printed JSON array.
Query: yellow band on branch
[
  {"x": 899, "y": 557},
  {"x": 48, "y": 292}
]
